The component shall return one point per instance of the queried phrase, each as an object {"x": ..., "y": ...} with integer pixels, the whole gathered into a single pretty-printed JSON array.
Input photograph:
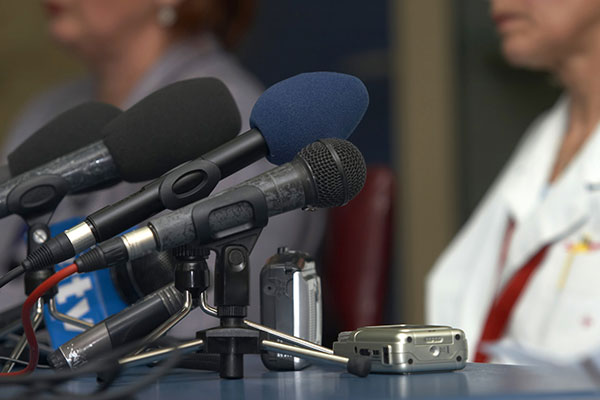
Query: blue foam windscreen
[{"x": 307, "y": 107}]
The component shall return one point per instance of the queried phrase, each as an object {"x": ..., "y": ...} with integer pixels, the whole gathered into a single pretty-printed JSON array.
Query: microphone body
[
  {"x": 192, "y": 181},
  {"x": 74, "y": 172},
  {"x": 131, "y": 324},
  {"x": 241, "y": 208},
  {"x": 327, "y": 173}
]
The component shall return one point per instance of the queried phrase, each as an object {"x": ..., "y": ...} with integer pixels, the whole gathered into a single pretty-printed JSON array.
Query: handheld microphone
[
  {"x": 288, "y": 116},
  {"x": 132, "y": 323},
  {"x": 327, "y": 173}
]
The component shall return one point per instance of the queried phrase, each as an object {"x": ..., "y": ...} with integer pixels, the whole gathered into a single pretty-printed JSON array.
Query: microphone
[
  {"x": 31, "y": 193},
  {"x": 67, "y": 132},
  {"x": 166, "y": 128},
  {"x": 131, "y": 324},
  {"x": 327, "y": 173},
  {"x": 288, "y": 116}
]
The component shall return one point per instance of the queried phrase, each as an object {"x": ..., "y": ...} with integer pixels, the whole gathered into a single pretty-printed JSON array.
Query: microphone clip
[{"x": 36, "y": 198}]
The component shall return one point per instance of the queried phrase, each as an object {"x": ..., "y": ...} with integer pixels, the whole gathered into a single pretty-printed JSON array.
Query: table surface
[{"x": 476, "y": 380}]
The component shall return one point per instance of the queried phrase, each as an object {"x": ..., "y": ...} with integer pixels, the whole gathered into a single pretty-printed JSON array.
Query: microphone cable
[
  {"x": 34, "y": 351},
  {"x": 51, "y": 386},
  {"x": 12, "y": 274}
]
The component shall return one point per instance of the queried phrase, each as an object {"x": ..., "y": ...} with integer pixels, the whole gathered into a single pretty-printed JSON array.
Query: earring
[{"x": 167, "y": 15}]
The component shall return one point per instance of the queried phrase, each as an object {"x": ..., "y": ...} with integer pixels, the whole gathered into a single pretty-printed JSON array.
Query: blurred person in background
[
  {"x": 132, "y": 48},
  {"x": 522, "y": 277}
]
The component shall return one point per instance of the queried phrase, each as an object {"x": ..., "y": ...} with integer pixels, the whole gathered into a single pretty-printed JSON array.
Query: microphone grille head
[{"x": 338, "y": 171}]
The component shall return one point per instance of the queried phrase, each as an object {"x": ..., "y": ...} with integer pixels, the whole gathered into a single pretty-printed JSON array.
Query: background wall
[
  {"x": 30, "y": 63},
  {"x": 424, "y": 137},
  {"x": 290, "y": 37}
]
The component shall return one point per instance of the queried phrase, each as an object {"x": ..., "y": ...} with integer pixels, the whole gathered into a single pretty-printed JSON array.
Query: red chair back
[{"x": 357, "y": 259}]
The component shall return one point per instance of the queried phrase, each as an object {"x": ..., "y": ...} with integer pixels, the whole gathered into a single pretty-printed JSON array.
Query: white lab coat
[{"x": 557, "y": 316}]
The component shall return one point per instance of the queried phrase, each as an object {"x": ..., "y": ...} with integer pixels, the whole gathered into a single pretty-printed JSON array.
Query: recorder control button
[{"x": 434, "y": 350}]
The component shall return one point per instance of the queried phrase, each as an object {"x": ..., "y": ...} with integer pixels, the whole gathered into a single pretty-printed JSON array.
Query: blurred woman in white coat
[{"x": 523, "y": 275}]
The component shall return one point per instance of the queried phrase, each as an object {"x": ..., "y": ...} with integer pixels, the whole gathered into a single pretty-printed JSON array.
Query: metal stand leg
[
  {"x": 18, "y": 350},
  {"x": 212, "y": 311},
  {"x": 312, "y": 355},
  {"x": 235, "y": 336},
  {"x": 289, "y": 338},
  {"x": 360, "y": 366},
  {"x": 67, "y": 318},
  {"x": 159, "y": 354}
]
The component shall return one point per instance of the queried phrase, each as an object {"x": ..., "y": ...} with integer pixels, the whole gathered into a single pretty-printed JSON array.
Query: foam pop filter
[
  {"x": 67, "y": 132},
  {"x": 173, "y": 125},
  {"x": 307, "y": 107}
]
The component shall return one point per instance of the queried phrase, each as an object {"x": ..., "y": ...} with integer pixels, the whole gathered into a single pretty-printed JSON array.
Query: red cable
[{"x": 34, "y": 352}]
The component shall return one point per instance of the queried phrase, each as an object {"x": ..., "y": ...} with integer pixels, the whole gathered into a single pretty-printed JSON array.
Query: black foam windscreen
[
  {"x": 175, "y": 124},
  {"x": 65, "y": 133}
]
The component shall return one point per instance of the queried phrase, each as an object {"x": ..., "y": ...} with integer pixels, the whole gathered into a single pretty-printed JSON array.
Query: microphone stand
[
  {"x": 35, "y": 200},
  {"x": 235, "y": 336}
]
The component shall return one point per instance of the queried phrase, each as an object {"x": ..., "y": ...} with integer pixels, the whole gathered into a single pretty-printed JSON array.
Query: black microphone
[
  {"x": 158, "y": 133},
  {"x": 69, "y": 131},
  {"x": 288, "y": 116},
  {"x": 128, "y": 325},
  {"x": 327, "y": 173},
  {"x": 172, "y": 125},
  {"x": 35, "y": 190}
]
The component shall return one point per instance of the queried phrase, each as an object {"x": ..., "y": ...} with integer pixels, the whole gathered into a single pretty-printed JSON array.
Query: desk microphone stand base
[{"x": 235, "y": 336}]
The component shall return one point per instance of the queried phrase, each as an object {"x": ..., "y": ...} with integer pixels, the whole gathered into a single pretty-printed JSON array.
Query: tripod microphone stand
[{"x": 235, "y": 336}]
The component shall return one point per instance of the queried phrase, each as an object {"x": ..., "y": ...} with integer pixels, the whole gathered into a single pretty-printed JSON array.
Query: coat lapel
[
  {"x": 546, "y": 213},
  {"x": 530, "y": 201}
]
